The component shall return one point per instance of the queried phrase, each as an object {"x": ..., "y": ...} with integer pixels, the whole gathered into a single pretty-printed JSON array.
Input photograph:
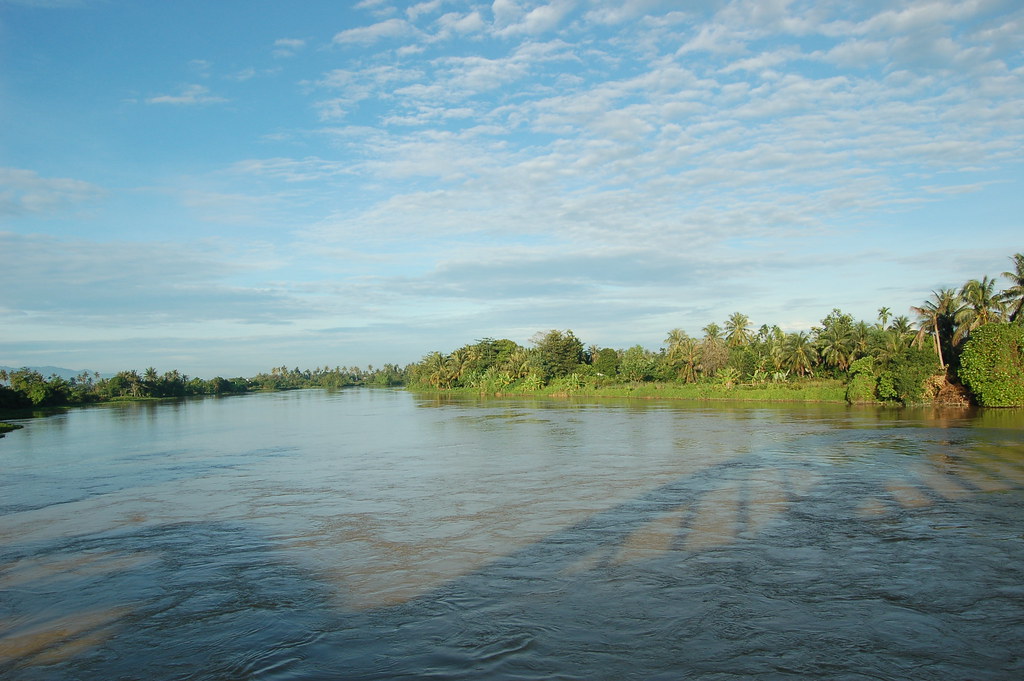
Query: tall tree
[
  {"x": 559, "y": 353},
  {"x": 836, "y": 346},
  {"x": 1013, "y": 297},
  {"x": 798, "y": 353},
  {"x": 935, "y": 318},
  {"x": 713, "y": 352},
  {"x": 437, "y": 370},
  {"x": 737, "y": 330},
  {"x": 884, "y": 314},
  {"x": 683, "y": 355},
  {"x": 902, "y": 326},
  {"x": 981, "y": 306},
  {"x": 674, "y": 341}
]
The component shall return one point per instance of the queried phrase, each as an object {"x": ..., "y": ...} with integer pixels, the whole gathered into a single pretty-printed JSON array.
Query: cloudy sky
[{"x": 223, "y": 187}]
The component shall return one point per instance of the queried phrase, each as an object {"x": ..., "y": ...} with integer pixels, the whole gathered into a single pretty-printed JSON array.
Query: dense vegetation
[
  {"x": 25, "y": 388},
  {"x": 890, "y": 359},
  {"x": 992, "y": 365},
  {"x": 972, "y": 336}
]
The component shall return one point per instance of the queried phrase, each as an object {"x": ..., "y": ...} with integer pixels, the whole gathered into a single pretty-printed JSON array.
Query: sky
[{"x": 225, "y": 187}]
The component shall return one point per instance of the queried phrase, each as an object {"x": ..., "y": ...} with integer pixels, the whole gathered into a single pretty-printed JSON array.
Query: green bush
[
  {"x": 910, "y": 370},
  {"x": 13, "y": 399},
  {"x": 886, "y": 388},
  {"x": 861, "y": 389},
  {"x": 902, "y": 377},
  {"x": 992, "y": 365}
]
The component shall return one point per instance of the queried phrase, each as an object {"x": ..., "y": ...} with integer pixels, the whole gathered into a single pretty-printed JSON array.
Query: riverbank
[
  {"x": 8, "y": 427},
  {"x": 809, "y": 391}
]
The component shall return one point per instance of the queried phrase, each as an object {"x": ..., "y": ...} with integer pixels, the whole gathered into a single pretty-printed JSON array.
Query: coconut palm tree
[
  {"x": 836, "y": 346},
  {"x": 737, "y": 330},
  {"x": 436, "y": 367},
  {"x": 935, "y": 318},
  {"x": 674, "y": 341},
  {"x": 459, "y": 363},
  {"x": 893, "y": 344},
  {"x": 713, "y": 351},
  {"x": 712, "y": 332},
  {"x": 690, "y": 360},
  {"x": 518, "y": 363},
  {"x": 798, "y": 353},
  {"x": 884, "y": 314},
  {"x": 981, "y": 306},
  {"x": 901, "y": 326},
  {"x": 682, "y": 354},
  {"x": 1013, "y": 297}
]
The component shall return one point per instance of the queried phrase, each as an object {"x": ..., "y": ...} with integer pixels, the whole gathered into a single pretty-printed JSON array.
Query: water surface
[{"x": 373, "y": 534}]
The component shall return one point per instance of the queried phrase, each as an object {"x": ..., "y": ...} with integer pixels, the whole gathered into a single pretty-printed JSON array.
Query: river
[{"x": 377, "y": 534}]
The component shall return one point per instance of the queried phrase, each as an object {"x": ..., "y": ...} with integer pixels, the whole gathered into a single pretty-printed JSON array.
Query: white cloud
[
  {"x": 512, "y": 20},
  {"x": 620, "y": 11},
  {"x": 189, "y": 95},
  {"x": 505, "y": 12},
  {"x": 422, "y": 8},
  {"x": 25, "y": 192},
  {"x": 858, "y": 53},
  {"x": 288, "y": 47},
  {"x": 367, "y": 35},
  {"x": 456, "y": 23},
  {"x": 308, "y": 169}
]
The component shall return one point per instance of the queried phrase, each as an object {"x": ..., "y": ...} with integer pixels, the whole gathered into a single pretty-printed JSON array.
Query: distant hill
[{"x": 49, "y": 371}]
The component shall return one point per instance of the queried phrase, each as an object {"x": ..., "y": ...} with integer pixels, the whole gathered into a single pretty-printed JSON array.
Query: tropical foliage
[
  {"x": 890, "y": 359},
  {"x": 972, "y": 333},
  {"x": 992, "y": 365}
]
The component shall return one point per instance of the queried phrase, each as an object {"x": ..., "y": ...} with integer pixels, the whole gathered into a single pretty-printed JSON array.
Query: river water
[{"x": 375, "y": 534}]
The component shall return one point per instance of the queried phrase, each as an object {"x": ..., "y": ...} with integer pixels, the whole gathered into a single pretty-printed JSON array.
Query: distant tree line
[
  {"x": 963, "y": 343},
  {"x": 27, "y": 388}
]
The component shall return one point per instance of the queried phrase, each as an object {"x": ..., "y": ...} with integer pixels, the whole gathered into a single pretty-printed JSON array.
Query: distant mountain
[{"x": 48, "y": 371}]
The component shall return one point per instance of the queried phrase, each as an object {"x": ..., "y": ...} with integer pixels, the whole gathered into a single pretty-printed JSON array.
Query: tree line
[
  {"x": 890, "y": 358},
  {"x": 27, "y": 388},
  {"x": 963, "y": 343}
]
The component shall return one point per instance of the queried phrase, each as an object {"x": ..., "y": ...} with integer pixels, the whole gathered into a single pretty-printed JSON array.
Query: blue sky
[{"x": 223, "y": 187}]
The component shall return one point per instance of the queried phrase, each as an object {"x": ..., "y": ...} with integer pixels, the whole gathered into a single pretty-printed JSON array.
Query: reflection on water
[{"x": 373, "y": 534}]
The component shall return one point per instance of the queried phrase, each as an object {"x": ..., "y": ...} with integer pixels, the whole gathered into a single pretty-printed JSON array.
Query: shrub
[
  {"x": 861, "y": 389},
  {"x": 992, "y": 365},
  {"x": 910, "y": 370}
]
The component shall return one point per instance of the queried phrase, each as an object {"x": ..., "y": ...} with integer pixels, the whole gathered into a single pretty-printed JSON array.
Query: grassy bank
[
  {"x": 804, "y": 391},
  {"x": 8, "y": 427}
]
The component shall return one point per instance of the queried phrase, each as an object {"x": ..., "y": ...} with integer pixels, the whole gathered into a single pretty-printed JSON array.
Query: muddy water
[{"x": 378, "y": 535}]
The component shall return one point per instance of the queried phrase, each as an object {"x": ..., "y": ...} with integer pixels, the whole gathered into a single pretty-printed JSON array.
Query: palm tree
[
  {"x": 981, "y": 306},
  {"x": 892, "y": 346},
  {"x": 770, "y": 340},
  {"x": 935, "y": 318},
  {"x": 861, "y": 339},
  {"x": 518, "y": 363},
  {"x": 901, "y": 326},
  {"x": 836, "y": 345},
  {"x": 737, "y": 330},
  {"x": 713, "y": 352},
  {"x": 683, "y": 354},
  {"x": 690, "y": 361},
  {"x": 437, "y": 369},
  {"x": 675, "y": 340},
  {"x": 712, "y": 332},
  {"x": 1013, "y": 297},
  {"x": 150, "y": 379},
  {"x": 459, "y": 363},
  {"x": 884, "y": 314},
  {"x": 798, "y": 352}
]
